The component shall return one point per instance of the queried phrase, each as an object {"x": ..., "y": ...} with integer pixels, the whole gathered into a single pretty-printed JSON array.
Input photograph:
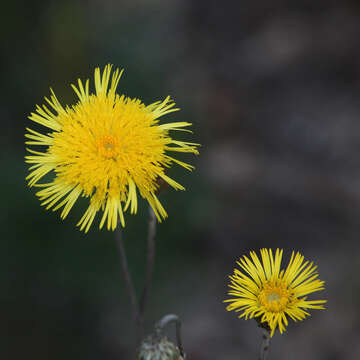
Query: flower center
[
  {"x": 274, "y": 296},
  {"x": 107, "y": 146}
]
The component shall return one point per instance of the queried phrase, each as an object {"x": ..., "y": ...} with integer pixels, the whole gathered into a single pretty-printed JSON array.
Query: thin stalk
[
  {"x": 127, "y": 277},
  {"x": 265, "y": 345},
  {"x": 150, "y": 259},
  {"x": 138, "y": 310},
  {"x": 167, "y": 319}
]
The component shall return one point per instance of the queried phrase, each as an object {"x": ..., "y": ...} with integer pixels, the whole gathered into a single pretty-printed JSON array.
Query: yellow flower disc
[
  {"x": 263, "y": 291},
  {"x": 107, "y": 148}
]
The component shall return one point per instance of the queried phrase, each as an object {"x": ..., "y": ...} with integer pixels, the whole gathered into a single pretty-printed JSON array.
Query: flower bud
[{"x": 158, "y": 348}]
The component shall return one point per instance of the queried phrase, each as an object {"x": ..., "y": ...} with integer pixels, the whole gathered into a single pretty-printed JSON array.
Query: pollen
[
  {"x": 107, "y": 146},
  {"x": 274, "y": 297}
]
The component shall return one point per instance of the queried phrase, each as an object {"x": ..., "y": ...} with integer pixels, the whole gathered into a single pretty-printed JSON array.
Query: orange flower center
[
  {"x": 274, "y": 296},
  {"x": 107, "y": 146}
]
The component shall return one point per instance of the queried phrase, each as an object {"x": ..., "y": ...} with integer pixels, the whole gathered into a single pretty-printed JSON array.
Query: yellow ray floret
[
  {"x": 262, "y": 290},
  {"x": 108, "y": 148}
]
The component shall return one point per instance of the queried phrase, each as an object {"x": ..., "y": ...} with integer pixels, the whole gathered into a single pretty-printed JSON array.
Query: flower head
[
  {"x": 264, "y": 291},
  {"x": 106, "y": 148}
]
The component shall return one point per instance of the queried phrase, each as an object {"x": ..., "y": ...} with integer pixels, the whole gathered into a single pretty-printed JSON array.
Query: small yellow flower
[
  {"x": 106, "y": 148},
  {"x": 264, "y": 291}
]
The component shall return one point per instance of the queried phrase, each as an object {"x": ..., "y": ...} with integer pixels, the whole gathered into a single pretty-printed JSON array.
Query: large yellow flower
[
  {"x": 107, "y": 148},
  {"x": 266, "y": 292}
]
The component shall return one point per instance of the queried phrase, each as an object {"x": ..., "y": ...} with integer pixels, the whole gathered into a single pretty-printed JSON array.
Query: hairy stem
[
  {"x": 127, "y": 277},
  {"x": 138, "y": 310},
  {"x": 167, "y": 319},
  {"x": 265, "y": 345},
  {"x": 150, "y": 259}
]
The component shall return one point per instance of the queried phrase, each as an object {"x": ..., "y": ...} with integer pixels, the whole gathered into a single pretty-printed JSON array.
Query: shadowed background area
[{"x": 273, "y": 93}]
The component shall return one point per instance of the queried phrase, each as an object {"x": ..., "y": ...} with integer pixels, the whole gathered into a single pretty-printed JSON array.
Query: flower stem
[
  {"x": 138, "y": 310},
  {"x": 127, "y": 277},
  {"x": 150, "y": 259},
  {"x": 265, "y": 345},
  {"x": 167, "y": 319}
]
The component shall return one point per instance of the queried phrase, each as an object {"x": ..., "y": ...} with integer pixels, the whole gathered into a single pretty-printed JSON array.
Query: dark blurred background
[{"x": 273, "y": 91}]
